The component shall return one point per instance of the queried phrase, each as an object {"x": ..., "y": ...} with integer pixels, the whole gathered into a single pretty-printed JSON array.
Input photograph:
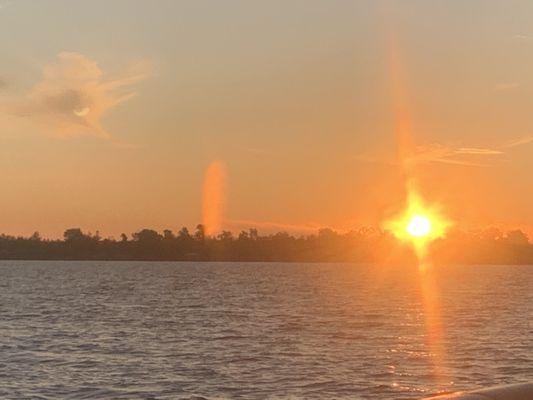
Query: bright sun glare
[{"x": 419, "y": 226}]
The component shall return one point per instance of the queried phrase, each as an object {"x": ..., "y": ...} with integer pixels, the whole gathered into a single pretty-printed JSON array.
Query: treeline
[{"x": 490, "y": 246}]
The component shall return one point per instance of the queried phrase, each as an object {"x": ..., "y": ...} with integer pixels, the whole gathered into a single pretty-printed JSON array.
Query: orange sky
[{"x": 111, "y": 114}]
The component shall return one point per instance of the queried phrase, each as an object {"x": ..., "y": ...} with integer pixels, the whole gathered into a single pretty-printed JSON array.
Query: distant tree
[
  {"x": 517, "y": 237},
  {"x": 80, "y": 245},
  {"x": 148, "y": 244},
  {"x": 254, "y": 235},
  {"x": 184, "y": 233},
  {"x": 327, "y": 234},
  {"x": 168, "y": 234},
  {"x": 147, "y": 236},
  {"x": 73, "y": 234},
  {"x": 35, "y": 237},
  {"x": 200, "y": 233},
  {"x": 225, "y": 236},
  {"x": 491, "y": 234}
]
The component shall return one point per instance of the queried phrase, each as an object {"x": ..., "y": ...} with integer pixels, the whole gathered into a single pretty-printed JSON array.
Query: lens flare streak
[
  {"x": 213, "y": 197},
  {"x": 419, "y": 224}
]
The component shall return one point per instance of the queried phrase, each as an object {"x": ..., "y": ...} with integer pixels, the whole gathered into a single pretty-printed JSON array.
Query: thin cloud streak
[
  {"x": 478, "y": 151},
  {"x": 506, "y": 86},
  {"x": 444, "y": 154},
  {"x": 459, "y": 162},
  {"x": 523, "y": 37},
  {"x": 439, "y": 153},
  {"x": 519, "y": 142}
]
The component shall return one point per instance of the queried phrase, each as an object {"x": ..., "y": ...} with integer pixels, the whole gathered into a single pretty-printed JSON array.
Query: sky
[{"x": 280, "y": 115}]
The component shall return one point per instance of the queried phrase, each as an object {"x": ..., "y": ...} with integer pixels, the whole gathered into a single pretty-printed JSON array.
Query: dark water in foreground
[{"x": 254, "y": 331}]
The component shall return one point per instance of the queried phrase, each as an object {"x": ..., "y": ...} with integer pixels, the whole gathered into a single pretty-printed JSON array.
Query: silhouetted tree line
[{"x": 490, "y": 246}]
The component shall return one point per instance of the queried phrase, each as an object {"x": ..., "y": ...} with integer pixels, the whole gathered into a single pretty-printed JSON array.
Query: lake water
[{"x": 134, "y": 330}]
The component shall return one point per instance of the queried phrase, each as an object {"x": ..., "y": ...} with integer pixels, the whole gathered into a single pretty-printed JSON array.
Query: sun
[{"x": 419, "y": 226}]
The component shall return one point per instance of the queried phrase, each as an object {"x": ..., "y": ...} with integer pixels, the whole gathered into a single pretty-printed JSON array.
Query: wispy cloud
[
  {"x": 74, "y": 94},
  {"x": 478, "y": 151},
  {"x": 446, "y": 154},
  {"x": 438, "y": 153},
  {"x": 467, "y": 156},
  {"x": 5, "y": 4},
  {"x": 506, "y": 86},
  {"x": 519, "y": 142},
  {"x": 522, "y": 36},
  {"x": 465, "y": 163}
]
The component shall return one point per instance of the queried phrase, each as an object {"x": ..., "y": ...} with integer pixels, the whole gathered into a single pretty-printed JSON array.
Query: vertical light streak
[
  {"x": 401, "y": 108},
  {"x": 433, "y": 322},
  {"x": 403, "y": 131},
  {"x": 213, "y": 197}
]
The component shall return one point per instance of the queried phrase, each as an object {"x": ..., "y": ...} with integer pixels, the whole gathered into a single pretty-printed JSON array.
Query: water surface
[{"x": 253, "y": 331}]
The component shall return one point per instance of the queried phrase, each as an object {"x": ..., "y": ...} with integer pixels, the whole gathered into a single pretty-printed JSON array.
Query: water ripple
[{"x": 95, "y": 330}]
